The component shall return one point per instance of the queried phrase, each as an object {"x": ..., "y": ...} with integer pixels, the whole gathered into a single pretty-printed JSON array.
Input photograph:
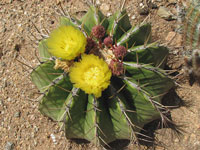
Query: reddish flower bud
[
  {"x": 108, "y": 41},
  {"x": 91, "y": 44},
  {"x": 119, "y": 51},
  {"x": 116, "y": 67},
  {"x": 98, "y": 31}
]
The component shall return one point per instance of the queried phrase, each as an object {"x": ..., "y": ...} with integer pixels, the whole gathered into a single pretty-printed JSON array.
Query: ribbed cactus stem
[{"x": 192, "y": 24}]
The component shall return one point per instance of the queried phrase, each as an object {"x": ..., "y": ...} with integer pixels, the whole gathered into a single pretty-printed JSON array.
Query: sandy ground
[{"x": 22, "y": 125}]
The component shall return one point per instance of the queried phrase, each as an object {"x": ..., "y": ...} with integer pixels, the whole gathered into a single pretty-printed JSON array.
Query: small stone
[
  {"x": 9, "y": 146},
  {"x": 172, "y": 1},
  {"x": 17, "y": 114},
  {"x": 1, "y": 102},
  {"x": 9, "y": 99},
  {"x": 193, "y": 137},
  {"x": 98, "y": 2},
  {"x": 109, "y": 14},
  {"x": 105, "y": 7},
  {"x": 35, "y": 143},
  {"x": 152, "y": 5},
  {"x": 53, "y": 138},
  {"x": 133, "y": 17},
  {"x": 36, "y": 129},
  {"x": 141, "y": 4},
  {"x": 176, "y": 140},
  {"x": 144, "y": 10},
  {"x": 164, "y": 13},
  {"x": 17, "y": 47},
  {"x": 3, "y": 64},
  {"x": 5, "y": 84},
  {"x": 32, "y": 134}
]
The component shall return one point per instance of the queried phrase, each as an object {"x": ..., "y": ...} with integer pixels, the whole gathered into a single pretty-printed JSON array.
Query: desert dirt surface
[{"x": 22, "y": 127}]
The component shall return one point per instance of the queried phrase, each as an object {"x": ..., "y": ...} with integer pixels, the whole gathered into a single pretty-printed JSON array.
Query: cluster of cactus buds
[
  {"x": 106, "y": 45},
  {"x": 193, "y": 67}
]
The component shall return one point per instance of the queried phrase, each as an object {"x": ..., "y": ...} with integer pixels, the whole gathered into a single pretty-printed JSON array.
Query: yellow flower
[
  {"x": 66, "y": 42},
  {"x": 91, "y": 74}
]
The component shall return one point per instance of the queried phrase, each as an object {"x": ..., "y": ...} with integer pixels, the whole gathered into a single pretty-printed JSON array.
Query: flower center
[
  {"x": 70, "y": 45},
  {"x": 92, "y": 75}
]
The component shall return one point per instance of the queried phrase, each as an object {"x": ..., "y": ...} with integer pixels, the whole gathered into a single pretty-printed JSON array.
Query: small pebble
[
  {"x": 176, "y": 140},
  {"x": 3, "y": 64},
  {"x": 109, "y": 14},
  {"x": 17, "y": 47},
  {"x": 98, "y": 2},
  {"x": 4, "y": 83},
  {"x": 105, "y": 7},
  {"x": 1, "y": 102},
  {"x": 141, "y": 4},
  {"x": 36, "y": 129},
  {"x": 35, "y": 143},
  {"x": 152, "y": 5},
  {"x": 144, "y": 10},
  {"x": 9, "y": 99},
  {"x": 164, "y": 13},
  {"x": 9, "y": 146},
  {"x": 53, "y": 138},
  {"x": 172, "y": 1},
  {"x": 133, "y": 17},
  {"x": 17, "y": 114}
]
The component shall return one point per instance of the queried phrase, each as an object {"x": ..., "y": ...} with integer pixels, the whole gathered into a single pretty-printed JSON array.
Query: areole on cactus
[{"x": 100, "y": 94}]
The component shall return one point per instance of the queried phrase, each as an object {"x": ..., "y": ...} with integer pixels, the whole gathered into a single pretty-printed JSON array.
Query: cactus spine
[{"x": 134, "y": 95}]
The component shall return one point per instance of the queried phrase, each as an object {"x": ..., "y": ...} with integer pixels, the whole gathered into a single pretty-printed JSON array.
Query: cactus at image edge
[
  {"x": 192, "y": 24},
  {"x": 136, "y": 87},
  {"x": 192, "y": 67}
]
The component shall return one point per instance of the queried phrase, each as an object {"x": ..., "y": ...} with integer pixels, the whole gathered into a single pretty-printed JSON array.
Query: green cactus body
[
  {"x": 192, "y": 24},
  {"x": 131, "y": 100}
]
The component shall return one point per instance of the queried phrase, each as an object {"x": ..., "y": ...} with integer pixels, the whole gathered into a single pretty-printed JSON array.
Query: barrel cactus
[
  {"x": 101, "y": 78},
  {"x": 192, "y": 23}
]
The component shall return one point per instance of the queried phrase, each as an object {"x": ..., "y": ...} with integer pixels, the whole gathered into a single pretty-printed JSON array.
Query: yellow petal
[
  {"x": 91, "y": 74},
  {"x": 66, "y": 42}
]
